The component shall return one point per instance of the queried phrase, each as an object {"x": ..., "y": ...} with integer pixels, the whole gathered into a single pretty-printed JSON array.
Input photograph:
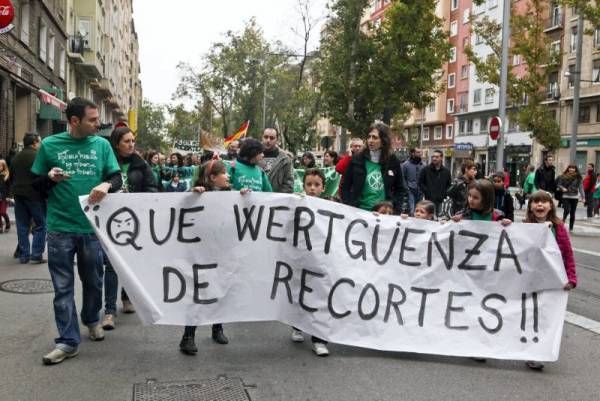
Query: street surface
[{"x": 271, "y": 366}]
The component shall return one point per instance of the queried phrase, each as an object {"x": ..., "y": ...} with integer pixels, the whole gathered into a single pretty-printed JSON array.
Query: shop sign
[{"x": 7, "y": 14}]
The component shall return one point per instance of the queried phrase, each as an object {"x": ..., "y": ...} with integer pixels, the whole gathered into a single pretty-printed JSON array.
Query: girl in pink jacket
[{"x": 541, "y": 209}]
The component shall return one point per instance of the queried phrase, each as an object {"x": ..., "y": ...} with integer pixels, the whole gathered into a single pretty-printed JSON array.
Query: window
[
  {"x": 461, "y": 126},
  {"x": 25, "y": 23},
  {"x": 43, "y": 41},
  {"x": 492, "y": 3},
  {"x": 451, "y": 80},
  {"x": 555, "y": 14},
  {"x": 573, "y": 47},
  {"x": 489, "y": 95},
  {"x": 477, "y": 96},
  {"x": 453, "y": 54},
  {"x": 453, "y": 28},
  {"x": 478, "y": 39},
  {"x": 483, "y": 125},
  {"x": 469, "y": 126},
  {"x": 437, "y": 133},
  {"x": 449, "y": 131},
  {"x": 466, "y": 15},
  {"x": 450, "y": 106},
  {"x": 51, "y": 44},
  {"x": 478, "y": 9},
  {"x": 597, "y": 38},
  {"x": 432, "y": 107},
  {"x": 465, "y": 42},
  {"x": 598, "y": 112},
  {"x": 584, "y": 114},
  {"x": 596, "y": 72},
  {"x": 462, "y": 104},
  {"x": 454, "y": 5},
  {"x": 516, "y": 59},
  {"x": 553, "y": 91},
  {"x": 555, "y": 47},
  {"x": 464, "y": 71},
  {"x": 571, "y": 76},
  {"x": 425, "y": 133},
  {"x": 63, "y": 63}
]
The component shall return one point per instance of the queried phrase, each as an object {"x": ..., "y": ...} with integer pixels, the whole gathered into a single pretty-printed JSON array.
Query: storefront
[
  {"x": 516, "y": 158},
  {"x": 460, "y": 152},
  {"x": 588, "y": 151}
]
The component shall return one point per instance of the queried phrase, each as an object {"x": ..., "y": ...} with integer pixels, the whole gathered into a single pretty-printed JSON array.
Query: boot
[
  {"x": 217, "y": 334},
  {"x": 187, "y": 345}
]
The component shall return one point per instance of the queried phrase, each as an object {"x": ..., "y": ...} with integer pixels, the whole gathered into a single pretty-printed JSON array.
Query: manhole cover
[
  {"x": 219, "y": 389},
  {"x": 27, "y": 286}
]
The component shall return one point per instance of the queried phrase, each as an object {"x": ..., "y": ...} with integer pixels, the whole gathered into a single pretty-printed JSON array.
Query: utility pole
[
  {"x": 576, "y": 86},
  {"x": 503, "y": 84},
  {"x": 264, "y": 116}
]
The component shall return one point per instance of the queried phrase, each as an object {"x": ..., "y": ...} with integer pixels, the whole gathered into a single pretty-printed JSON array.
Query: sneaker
[
  {"x": 534, "y": 365},
  {"x": 38, "y": 261},
  {"x": 218, "y": 336},
  {"x": 188, "y": 346},
  {"x": 320, "y": 349},
  {"x": 128, "y": 306},
  {"x": 108, "y": 323},
  {"x": 24, "y": 261},
  {"x": 57, "y": 355},
  {"x": 96, "y": 332},
  {"x": 297, "y": 336}
]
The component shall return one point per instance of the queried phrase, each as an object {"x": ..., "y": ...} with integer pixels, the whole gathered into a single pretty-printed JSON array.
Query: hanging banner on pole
[{"x": 336, "y": 272}]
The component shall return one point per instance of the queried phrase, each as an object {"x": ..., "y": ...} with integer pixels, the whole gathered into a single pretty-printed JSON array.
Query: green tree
[
  {"x": 183, "y": 124},
  {"x": 151, "y": 126},
  {"x": 380, "y": 72}
]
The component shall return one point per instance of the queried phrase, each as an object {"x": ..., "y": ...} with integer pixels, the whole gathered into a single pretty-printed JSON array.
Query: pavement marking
[
  {"x": 585, "y": 251},
  {"x": 582, "y": 322}
]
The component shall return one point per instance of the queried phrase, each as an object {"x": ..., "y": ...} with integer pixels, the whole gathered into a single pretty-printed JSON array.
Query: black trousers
[{"x": 570, "y": 206}]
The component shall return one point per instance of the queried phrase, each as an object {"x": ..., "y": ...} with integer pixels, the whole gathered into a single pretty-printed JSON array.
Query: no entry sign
[{"x": 494, "y": 127}]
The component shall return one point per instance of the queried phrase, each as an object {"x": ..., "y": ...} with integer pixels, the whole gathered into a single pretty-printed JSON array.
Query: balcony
[
  {"x": 76, "y": 49},
  {"x": 553, "y": 93},
  {"x": 555, "y": 21},
  {"x": 101, "y": 87}
]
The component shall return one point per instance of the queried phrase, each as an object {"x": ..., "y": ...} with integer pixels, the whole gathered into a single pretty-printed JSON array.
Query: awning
[{"x": 51, "y": 100}]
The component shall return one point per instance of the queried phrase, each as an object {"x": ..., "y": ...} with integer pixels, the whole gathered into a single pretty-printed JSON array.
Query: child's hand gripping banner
[{"x": 467, "y": 289}]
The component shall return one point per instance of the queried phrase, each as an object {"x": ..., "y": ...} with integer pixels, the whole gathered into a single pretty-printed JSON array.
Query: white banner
[{"x": 342, "y": 274}]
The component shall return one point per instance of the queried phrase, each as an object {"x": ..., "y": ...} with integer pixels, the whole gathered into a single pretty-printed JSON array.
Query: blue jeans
[
  {"x": 111, "y": 288},
  {"x": 414, "y": 197},
  {"x": 26, "y": 211},
  {"x": 62, "y": 248}
]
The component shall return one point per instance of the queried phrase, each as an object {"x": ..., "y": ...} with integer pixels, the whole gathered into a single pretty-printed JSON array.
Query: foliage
[
  {"x": 379, "y": 72},
  {"x": 151, "y": 126},
  {"x": 183, "y": 124}
]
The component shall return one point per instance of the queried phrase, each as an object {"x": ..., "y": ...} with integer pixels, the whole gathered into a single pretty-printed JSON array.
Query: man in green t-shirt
[{"x": 68, "y": 165}]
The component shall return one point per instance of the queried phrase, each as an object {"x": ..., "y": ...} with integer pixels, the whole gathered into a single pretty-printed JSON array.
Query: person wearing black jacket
[
  {"x": 434, "y": 181},
  {"x": 545, "y": 176},
  {"x": 375, "y": 174},
  {"x": 137, "y": 176},
  {"x": 502, "y": 198}
]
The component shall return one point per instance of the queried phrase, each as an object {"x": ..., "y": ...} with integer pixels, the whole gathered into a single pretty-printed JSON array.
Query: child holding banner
[
  {"x": 212, "y": 177},
  {"x": 541, "y": 209},
  {"x": 480, "y": 204},
  {"x": 314, "y": 185}
]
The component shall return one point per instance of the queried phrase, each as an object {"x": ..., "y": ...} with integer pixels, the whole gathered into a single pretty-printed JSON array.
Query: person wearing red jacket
[
  {"x": 589, "y": 182},
  {"x": 356, "y": 145}
]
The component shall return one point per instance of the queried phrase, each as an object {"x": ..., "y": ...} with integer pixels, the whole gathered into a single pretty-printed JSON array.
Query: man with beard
[
  {"x": 434, "y": 181},
  {"x": 411, "y": 169},
  {"x": 276, "y": 163}
]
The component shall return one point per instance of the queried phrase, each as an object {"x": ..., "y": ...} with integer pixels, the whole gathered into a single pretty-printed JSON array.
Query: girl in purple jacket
[{"x": 541, "y": 209}]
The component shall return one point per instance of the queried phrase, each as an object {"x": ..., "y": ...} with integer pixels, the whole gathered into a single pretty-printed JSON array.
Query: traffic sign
[{"x": 494, "y": 127}]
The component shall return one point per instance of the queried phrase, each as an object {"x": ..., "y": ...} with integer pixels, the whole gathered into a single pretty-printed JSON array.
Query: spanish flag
[{"x": 241, "y": 132}]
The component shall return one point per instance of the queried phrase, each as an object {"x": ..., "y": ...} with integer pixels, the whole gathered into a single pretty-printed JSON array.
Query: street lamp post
[
  {"x": 503, "y": 84},
  {"x": 576, "y": 83}
]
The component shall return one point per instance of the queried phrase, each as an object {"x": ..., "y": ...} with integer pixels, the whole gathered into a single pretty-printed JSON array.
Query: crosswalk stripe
[
  {"x": 583, "y": 322},
  {"x": 585, "y": 251}
]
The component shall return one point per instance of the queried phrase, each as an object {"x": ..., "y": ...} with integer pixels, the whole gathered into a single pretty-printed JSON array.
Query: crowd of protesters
[{"x": 370, "y": 176}]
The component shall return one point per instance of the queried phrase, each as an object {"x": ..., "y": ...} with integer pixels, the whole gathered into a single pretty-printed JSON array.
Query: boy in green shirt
[
  {"x": 245, "y": 172},
  {"x": 68, "y": 165}
]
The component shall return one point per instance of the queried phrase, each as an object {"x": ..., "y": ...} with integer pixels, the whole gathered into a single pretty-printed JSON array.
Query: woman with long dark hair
[
  {"x": 374, "y": 174},
  {"x": 137, "y": 177},
  {"x": 569, "y": 185}
]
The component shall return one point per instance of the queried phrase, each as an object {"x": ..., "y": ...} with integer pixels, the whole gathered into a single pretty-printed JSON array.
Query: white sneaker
[
  {"x": 320, "y": 349},
  {"x": 57, "y": 355},
  {"x": 96, "y": 332},
  {"x": 297, "y": 336},
  {"x": 108, "y": 323}
]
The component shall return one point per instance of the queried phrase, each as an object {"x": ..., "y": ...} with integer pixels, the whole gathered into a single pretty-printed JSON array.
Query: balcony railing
[
  {"x": 76, "y": 44},
  {"x": 555, "y": 20}
]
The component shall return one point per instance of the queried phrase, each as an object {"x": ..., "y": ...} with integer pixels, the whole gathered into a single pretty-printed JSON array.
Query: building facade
[{"x": 32, "y": 73}]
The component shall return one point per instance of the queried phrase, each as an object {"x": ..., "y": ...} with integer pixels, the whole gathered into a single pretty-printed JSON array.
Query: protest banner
[{"x": 340, "y": 273}]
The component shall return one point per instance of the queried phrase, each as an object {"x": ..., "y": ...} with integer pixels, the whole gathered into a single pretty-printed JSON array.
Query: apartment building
[
  {"x": 32, "y": 73},
  {"x": 104, "y": 58},
  {"x": 588, "y": 130}
]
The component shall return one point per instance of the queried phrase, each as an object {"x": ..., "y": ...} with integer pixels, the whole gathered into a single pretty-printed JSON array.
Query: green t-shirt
[
  {"x": 88, "y": 162},
  {"x": 481, "y": 217},
  {"x": 374, "y": 190},
  {"x": 246, "y": 176},
  {"x": 529, "y": 184},
  {"x": 332, "y": 181},
  {"x": 124, "y": 178}
]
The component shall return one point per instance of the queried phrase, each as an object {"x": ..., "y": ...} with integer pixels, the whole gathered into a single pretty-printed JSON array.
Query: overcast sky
[{"x": 183, "y": 30}]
